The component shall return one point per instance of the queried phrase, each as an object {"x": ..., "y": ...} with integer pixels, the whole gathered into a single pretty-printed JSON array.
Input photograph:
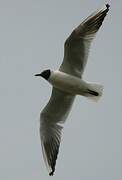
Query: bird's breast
[{"x": 67, "y": 83}]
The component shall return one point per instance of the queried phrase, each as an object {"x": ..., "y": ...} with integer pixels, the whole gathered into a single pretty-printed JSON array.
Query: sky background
[{"x": 32, "y": 33}]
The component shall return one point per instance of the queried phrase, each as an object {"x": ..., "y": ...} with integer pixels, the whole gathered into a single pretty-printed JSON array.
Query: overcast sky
[{"x": 32, "y": 33}]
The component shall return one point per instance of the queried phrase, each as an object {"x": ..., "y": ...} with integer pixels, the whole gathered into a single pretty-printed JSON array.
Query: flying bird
[{"x": 67, "y": 82}]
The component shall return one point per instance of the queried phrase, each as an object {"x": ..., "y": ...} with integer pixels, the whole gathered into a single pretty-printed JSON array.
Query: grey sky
[{"x": 32, "y": 33}]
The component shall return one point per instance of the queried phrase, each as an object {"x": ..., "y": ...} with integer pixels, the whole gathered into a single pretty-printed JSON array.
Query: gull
[{"x": 67, "y": 82}]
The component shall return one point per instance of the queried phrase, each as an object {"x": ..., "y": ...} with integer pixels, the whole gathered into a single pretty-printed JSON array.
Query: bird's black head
[{"x": 45, "y": 74}]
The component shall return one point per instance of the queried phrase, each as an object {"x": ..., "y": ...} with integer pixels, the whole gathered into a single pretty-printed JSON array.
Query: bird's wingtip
[
  {"x": 107, "y": 6},
  {"x": 51, "y": 173}
]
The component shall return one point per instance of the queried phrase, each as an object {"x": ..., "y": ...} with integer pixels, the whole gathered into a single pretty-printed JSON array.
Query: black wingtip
[
  {"x": 107, "y": 5},
  {"x": 51, "y": 173}
]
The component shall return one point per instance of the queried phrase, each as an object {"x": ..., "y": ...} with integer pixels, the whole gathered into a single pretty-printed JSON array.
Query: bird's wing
[
  {"x": 77, "y": 45},
  {"x": 51, "y": 119}
]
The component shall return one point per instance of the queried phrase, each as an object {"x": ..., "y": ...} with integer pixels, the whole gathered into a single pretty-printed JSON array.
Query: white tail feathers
[{"x": 94, "y": 92}]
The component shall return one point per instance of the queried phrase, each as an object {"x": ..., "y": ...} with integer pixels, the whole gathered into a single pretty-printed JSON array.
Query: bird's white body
[
  {"x": 68, "y": 83},
  {"x": 74, "y": 85}
]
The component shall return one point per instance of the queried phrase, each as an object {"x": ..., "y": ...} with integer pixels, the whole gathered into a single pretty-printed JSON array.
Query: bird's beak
[{"x": 37, "y": 74}]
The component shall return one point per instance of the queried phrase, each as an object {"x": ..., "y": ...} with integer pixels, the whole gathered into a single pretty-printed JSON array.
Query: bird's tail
[{"x": 94, "y": 92}]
